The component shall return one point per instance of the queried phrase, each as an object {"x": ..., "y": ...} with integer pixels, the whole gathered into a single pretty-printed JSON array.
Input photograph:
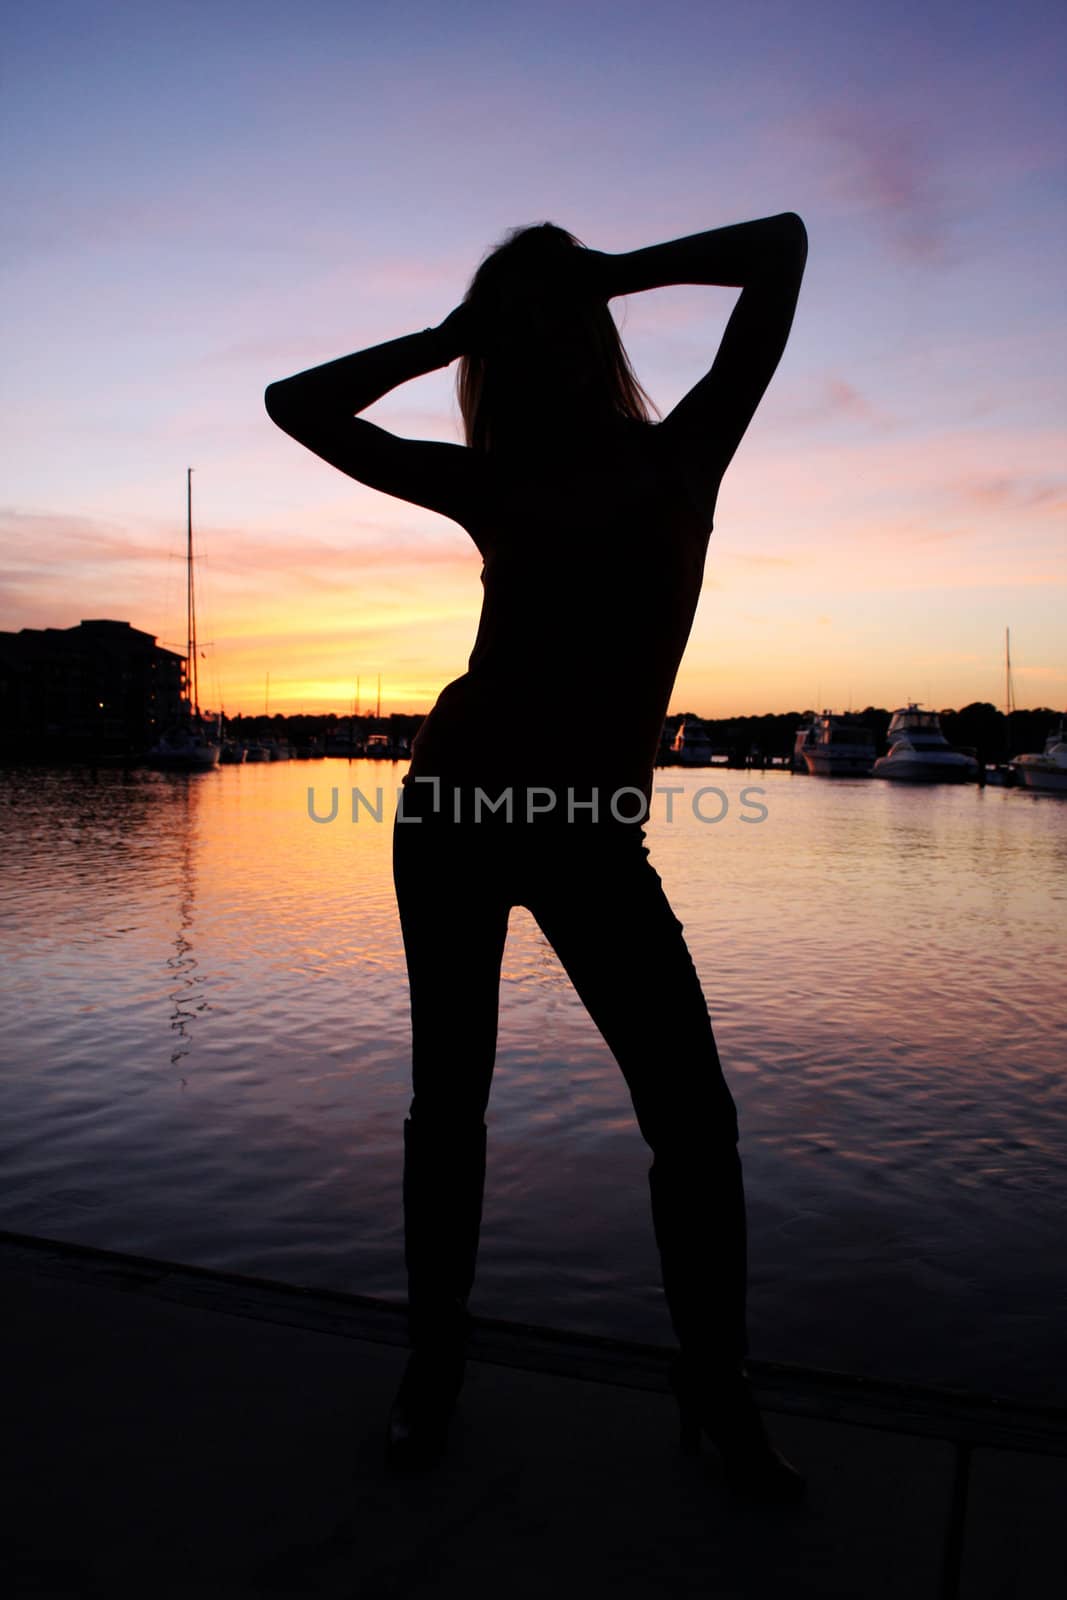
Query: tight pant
[{"x": 601, "y": 905}]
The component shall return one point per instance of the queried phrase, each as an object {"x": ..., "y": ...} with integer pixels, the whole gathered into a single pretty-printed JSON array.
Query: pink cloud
[
  {"x": 886, "y": 167},
  {"x": 1010, "y": 493},
  {"x": 833, "y": 398},
  {"x": 47, "y": 537},
  {"x": 61, "y": 567}
]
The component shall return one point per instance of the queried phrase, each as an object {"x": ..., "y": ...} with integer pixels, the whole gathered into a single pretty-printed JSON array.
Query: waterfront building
[{"x": 101, "y": 690}]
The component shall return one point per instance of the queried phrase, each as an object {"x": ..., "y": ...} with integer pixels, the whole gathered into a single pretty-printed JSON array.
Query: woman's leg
[
  {"x": 454, "y": 919},
  {"x": 601, "y": 905}
]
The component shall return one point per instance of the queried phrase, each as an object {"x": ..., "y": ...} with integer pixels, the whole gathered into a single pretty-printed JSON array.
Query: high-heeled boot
[
  {"x": 444, "y": 1183},
  {"x": 721, "y": 1404},
  {"x": 698, "y": 1214}
]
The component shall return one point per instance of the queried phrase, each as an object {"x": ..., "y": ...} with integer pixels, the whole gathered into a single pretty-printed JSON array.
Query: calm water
[{"x": 203, "y": 1038}]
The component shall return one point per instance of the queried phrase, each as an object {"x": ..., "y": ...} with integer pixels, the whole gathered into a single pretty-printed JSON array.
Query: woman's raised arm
[
  {"x": 317, "y": 408},
  {"x": 744, "y": 253},
  {"x": 352, "y": 383},
  {"x": 766, "y": 260}
]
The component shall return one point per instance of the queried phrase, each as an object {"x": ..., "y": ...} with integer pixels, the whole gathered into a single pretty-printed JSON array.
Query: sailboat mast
[
  {"x": 192, "y": 685},
  {"x": 1009, "y": 698}
]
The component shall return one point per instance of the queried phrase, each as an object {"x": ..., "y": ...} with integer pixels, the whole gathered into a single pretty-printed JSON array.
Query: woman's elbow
[
  {"x": 283, "y": 410},
  {"x": 286, "y": 409},
  {"x": 798, "y": 234},
  {"x": 274, "y": 400}
]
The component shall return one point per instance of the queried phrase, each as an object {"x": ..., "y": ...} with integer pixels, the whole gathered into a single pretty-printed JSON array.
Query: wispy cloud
[
  {"x": 43, "y": 536},
  {"x": 59, "y": 568},
  {"x": 832, "y": 398},
  {"x": 1004, "y": 492},
  {"x": 48, "y": 540},
  {"x": 885, "y": 167}
]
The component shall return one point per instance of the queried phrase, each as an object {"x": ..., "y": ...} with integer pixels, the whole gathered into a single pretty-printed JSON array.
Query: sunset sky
[{"x": 202, "y": 197}]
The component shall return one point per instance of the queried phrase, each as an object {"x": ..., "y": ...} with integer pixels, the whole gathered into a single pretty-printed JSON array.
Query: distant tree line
[
  {"x": 980, "y": 727},
  {"x": 302, "y": 727}
]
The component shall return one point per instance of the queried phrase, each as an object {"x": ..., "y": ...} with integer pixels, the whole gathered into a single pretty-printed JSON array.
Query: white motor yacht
[
  {"x": 831, "y": 747},
  {"x": 1048, "y": 770},
  {"x": 920, "y": 753}
]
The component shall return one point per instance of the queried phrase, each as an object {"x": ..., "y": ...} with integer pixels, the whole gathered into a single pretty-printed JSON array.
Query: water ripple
[{"x": 205, "y": 1032}]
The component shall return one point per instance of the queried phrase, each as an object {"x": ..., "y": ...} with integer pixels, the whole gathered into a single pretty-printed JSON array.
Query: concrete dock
[{"x": 171, "y": 1432}]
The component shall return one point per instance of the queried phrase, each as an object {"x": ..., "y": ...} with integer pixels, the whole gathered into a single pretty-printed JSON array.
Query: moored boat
[
  {"x": 999, "y": 775},
  {"x": 833, "y": 747},
  {"x": 691, "y": 745},
  {"x": 381, "y": 747},
  {"x": 1047, "y": 771},
  {"x": 184, "y": 748},
  {"x": 920, "y": 753}
]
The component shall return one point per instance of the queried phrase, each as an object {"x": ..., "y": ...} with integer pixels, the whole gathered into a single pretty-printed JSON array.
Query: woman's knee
[
  {"x": 453, "y": 1115},
  {"x": 692, "y": 1125}
]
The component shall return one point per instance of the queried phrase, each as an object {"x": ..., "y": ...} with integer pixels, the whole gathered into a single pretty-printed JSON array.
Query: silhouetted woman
[{"x": 593, "y": 524}]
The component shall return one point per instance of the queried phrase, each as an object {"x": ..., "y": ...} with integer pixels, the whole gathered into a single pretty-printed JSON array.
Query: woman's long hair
[{"x": 544, "y": 342}]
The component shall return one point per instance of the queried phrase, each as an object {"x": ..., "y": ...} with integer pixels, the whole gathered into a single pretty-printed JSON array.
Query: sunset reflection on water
[{"x": 204, "y": 1041}]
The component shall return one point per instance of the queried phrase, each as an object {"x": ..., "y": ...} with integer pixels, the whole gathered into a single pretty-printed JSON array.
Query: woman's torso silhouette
[{"x": 593, "y": 559}]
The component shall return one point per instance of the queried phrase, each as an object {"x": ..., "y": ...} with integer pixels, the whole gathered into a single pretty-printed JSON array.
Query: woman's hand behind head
[{"x": 461, "y": 330}]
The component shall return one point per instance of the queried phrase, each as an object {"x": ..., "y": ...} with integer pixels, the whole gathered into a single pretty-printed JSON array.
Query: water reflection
[
  {"x": 882, "y": 971},
  {"x": 187, "y": 992}
]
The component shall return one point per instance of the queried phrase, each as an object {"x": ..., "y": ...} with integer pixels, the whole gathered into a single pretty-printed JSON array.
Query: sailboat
[
  {"x": 186, "y": 745},
  {"x": 1004, "y": 772},
  {"x": 231, "y": 751}
]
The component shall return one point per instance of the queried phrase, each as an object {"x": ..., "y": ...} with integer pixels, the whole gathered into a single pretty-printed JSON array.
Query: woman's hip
[{"x": 511, "y": 838}]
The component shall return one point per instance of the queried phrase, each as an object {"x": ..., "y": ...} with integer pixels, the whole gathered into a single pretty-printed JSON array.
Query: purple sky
[{"x": 200, "y": 198}]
